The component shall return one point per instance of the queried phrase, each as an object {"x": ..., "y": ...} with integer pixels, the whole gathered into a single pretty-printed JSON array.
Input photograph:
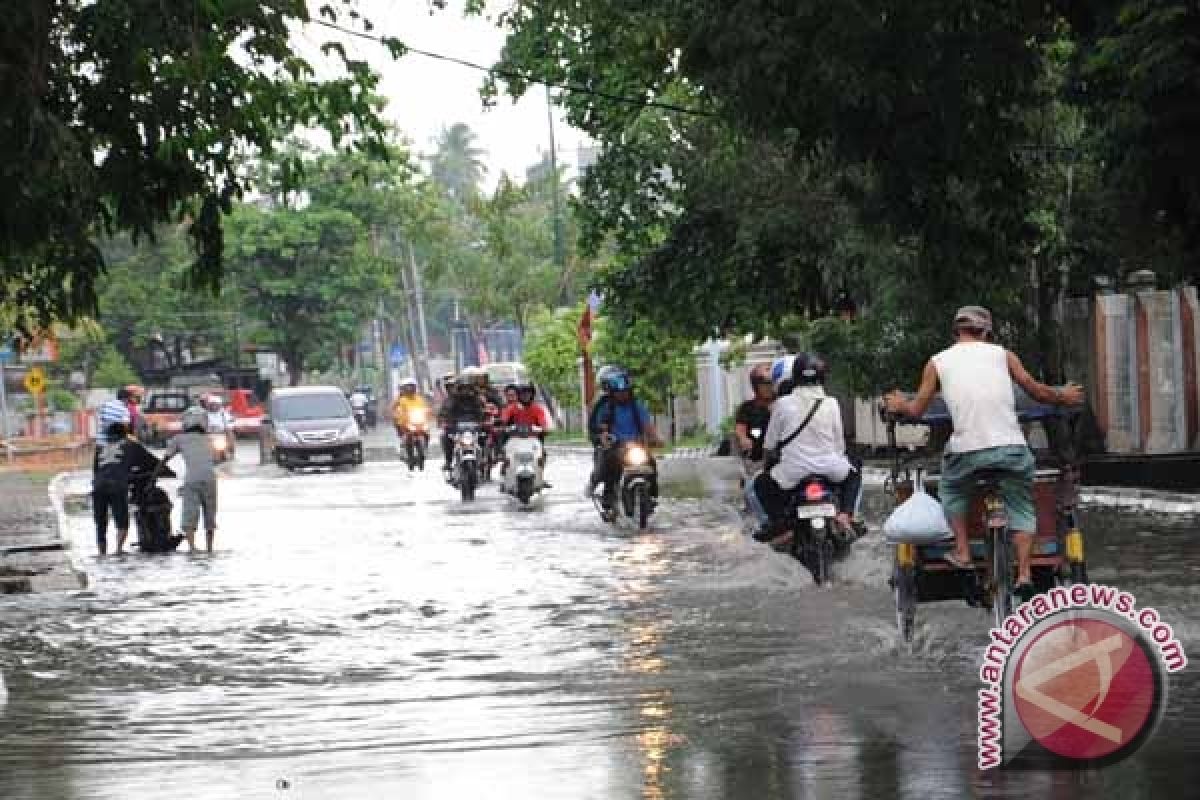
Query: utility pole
[
  {"x": 559, "y": 255},
  {"x": 422, "y": 331}
]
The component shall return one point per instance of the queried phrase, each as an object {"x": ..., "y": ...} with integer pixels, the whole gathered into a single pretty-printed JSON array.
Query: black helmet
[{"x": 808, "y": 369}]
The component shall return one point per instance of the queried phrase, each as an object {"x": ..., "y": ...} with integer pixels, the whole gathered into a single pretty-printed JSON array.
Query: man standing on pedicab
[{"x": 976, "y": 380}]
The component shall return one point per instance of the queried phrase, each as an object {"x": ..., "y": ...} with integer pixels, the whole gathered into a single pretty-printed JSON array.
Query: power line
[{"x": 394, "y": 45}]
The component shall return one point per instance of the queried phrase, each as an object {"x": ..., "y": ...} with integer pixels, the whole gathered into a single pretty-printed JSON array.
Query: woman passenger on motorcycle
[{"x": 819, "y": 449}]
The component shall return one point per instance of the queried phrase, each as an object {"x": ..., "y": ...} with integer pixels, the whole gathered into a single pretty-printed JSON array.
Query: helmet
[
  {"x": 760, "y": 374},
  {"x": 194, "y": 417},
  {"x": 525, "y": 393},
  {"x": 619, "y": 381},
  {"x": 605, "y": 375},
  {"x": 781, "y": 370},
  {"x": 808, "y": 369},
  {"x": 476, "y": 376},
  {"x": 210, "y": 401}
]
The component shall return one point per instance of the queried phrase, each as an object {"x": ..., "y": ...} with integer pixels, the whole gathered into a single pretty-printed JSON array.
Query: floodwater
[{"x": 362, "y": 634}]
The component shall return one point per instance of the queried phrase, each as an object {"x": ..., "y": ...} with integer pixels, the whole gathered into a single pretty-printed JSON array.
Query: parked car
[
  {"x": 162, "y": 412},
  {"x": 247, "y": 412},
  {"x": 309, "y": 426}
]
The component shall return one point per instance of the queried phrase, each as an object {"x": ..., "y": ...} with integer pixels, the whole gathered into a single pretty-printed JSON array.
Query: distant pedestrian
[
  {"x": 199, "y": 489},
  {"x": 110, "y": 482}
]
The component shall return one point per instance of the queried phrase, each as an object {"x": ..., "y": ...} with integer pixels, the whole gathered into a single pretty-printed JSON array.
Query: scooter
[
  {"x": 524, "y": 457},
  {"x": 415, "y": 432},
  {"x": 465, "y": 467}
]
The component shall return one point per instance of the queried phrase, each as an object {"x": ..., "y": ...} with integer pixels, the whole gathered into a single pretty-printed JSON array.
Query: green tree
[
  {"x": 122, "y": 115},
  {"x": 307, "y": 275},
  {"x": 458, "y": 164},
  {"x": 660, "y": 365},
  {"x": 112, "y": 370},
  {"x": 552, "y": 353}
]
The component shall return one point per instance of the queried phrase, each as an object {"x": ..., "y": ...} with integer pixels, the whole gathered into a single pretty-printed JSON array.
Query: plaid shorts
[
  {"x": 199, "y": 498},
  {"x": 1016, "y": 486}
]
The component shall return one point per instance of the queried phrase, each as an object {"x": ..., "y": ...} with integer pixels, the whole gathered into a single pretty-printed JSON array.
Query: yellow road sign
[{"x": 35, "y": 380}]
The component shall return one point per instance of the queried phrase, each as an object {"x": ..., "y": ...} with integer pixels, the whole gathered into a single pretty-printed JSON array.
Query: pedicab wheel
[
  {"x": 1002, "y": 581},
  {"x": 904, "y": 590}
]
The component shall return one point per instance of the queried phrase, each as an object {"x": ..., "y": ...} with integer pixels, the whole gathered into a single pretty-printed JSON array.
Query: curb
[
  {"x": 57, "y": 501},
  {"x": 48, "y": 564}
]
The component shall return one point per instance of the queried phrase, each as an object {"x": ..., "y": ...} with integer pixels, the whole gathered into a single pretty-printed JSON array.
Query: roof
[{"x": 292, "y": 391}]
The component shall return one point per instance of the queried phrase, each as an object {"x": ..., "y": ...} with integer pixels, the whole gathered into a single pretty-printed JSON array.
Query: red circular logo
[{"x": 1084, "y": 689}]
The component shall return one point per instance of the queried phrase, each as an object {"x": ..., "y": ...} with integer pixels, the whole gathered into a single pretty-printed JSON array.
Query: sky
[{"x": 424, "y": 95}]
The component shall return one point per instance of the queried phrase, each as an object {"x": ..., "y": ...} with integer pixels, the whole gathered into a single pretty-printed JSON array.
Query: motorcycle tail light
[{"x": 814, "y": 492}]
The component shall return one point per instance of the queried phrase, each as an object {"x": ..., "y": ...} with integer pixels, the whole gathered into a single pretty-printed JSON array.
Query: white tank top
[{"x": 979, "y": 394}]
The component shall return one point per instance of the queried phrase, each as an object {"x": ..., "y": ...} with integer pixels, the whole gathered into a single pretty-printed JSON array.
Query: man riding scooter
[
  {"x": 806, "y": 433},
  {"x": 616, "y": 420},
  {"x": 527, "y": 413}
]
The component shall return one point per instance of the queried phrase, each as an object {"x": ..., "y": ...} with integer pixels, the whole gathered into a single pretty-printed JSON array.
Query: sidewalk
[{"x": 33, "y": 555}]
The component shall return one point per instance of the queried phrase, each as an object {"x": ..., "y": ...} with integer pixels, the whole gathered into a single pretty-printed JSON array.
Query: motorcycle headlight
[
  {"x": 219, "y": 444},
  {"x": 418, "y": 416},
  {"x": 467, "y": 438},
  {"x": 636, "y": 456}
]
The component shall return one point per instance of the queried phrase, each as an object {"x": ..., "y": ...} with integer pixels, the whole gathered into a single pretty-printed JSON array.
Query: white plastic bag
[{"x": 918, "y": 520}]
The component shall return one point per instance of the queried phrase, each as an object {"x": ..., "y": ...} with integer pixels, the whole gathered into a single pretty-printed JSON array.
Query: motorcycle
[
  {"x": 360, "y": 418},
  {"x": 817, "y": 539},
  {"x": 415, "y": 432},
  {"x": 634, "y": 494},
  {"x": 523, "y": 456},
  {"x": 468, "y": 452}
]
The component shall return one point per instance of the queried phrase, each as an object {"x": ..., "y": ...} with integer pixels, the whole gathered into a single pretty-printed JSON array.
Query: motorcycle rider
[
  {"x": 617, "y": 419},
  {"x": 754, "y": 415},
  {"x": 510, "y": 399},
  {"x": 976, "y": 377},
  {"x": 408, "y": 400},
  {"x": 464, "y": 405},
  {"x": 527, "y": 412},
  {"x": 808, "y": 425}
]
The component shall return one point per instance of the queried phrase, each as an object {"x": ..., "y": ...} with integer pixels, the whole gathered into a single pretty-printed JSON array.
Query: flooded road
[{"x": 364, "y": 635}]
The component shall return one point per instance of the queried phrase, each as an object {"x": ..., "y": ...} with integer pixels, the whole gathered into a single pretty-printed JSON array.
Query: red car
[{"x": 247, "y": 411}]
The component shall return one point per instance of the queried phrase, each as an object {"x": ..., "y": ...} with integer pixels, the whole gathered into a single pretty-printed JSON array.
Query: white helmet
[
  {"x": 194, "y": 417},
  {"x": 781, "y": 370}
]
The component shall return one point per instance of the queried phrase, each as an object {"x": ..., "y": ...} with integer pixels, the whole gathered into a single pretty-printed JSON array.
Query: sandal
[{"x": 952, "y": 559}]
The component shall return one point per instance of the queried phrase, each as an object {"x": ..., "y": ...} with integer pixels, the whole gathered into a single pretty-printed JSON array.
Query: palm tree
[{"x": 458, "y": 163}]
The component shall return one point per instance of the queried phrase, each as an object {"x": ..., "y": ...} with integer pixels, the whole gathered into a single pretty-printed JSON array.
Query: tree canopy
[{"x": 118, "y": 116}]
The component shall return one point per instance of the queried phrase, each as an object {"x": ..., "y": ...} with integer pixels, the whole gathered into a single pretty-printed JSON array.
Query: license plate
[
  {"x": 812, "y": 512},
  {"x": 322, "y": 458}
]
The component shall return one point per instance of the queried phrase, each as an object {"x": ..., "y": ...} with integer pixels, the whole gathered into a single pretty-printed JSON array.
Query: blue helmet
[
  {"x": 615, "y": 379},
  {"x": 781, "y": 370}
]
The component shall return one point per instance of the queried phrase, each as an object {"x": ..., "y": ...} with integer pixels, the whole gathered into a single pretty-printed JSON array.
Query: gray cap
[{"x": 973, "y": 317}]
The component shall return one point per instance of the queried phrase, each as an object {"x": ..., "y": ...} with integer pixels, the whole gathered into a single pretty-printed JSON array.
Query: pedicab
[{"x": 920, "y": 572}]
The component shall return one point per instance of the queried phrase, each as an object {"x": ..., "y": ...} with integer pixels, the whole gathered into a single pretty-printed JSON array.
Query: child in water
[{"x": 199, "y": 490}]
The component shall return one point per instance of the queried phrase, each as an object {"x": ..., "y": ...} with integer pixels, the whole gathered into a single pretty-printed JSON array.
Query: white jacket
[{"x": 820, "y": 449}]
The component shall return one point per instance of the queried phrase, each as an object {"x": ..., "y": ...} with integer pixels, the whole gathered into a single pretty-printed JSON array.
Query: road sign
[
  {"x": 397, "y": 355},
  {"x": 7, "y": 354},
  {"x": 35, "y": 380}
]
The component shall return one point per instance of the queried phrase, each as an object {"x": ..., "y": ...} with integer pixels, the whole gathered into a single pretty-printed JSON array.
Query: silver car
[{"x": 310, "y": 426}]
